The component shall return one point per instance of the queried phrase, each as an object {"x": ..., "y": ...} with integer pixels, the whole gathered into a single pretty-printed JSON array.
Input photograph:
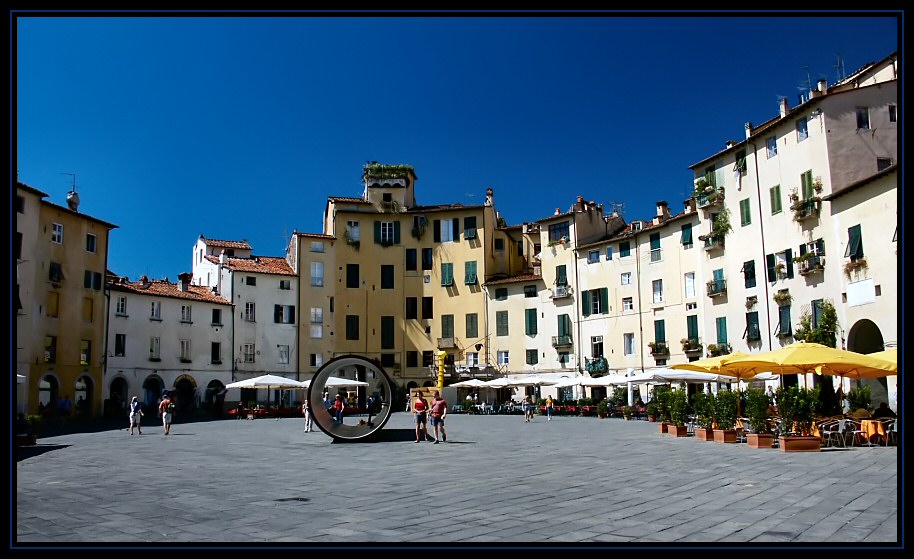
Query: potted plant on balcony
[
  {"x": 852, "y": 265},
  {"x": 690, "y": 345},
  {"x": 679, "y": 413},
  {"x": 782, "y": 297},
  {"x": 817, "y": 185},
  {"x": 658, "y": 348},
  {"x": 703, "y": 404},
  {"x": 725, "y": 416},
  {"x": 796, "y": 406},
  {"x": 757, "y": 411}
]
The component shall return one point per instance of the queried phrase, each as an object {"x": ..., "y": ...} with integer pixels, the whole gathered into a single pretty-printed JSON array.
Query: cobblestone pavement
[{"x": 497, "y": 480}]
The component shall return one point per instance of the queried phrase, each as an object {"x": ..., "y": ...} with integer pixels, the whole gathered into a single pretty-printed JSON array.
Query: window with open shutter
[
  {"x": 687, "y": 234},
  {"x": 530, "y": 321}
]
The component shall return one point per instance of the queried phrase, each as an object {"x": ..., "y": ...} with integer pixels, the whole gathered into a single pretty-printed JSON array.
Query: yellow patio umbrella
[
  {"x": 716, "y": 365},
  {"x": 804, "y": 357},
  {"x": 888, "y": 355}
]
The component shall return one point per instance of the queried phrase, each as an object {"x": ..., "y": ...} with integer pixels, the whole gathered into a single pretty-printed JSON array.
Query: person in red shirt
[
  {"x": 420, "y": 408},
  {"x": 338, "y": 407},
  {"x": 439, "y": 412}
]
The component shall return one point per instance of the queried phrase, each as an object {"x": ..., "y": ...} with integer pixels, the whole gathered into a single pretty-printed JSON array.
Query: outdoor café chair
[{"x": 833, "y": 432}]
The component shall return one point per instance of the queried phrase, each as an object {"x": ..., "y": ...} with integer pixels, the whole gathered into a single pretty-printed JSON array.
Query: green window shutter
[
  {"x": 530, "y": 320},
  {"x": 752, "y": 329},
  {"x": 854, "y": 243},
  {"x": 564, "y": 325},
  {"x": 789, "y": 255},
  {"x": 775, "y": 194},
  {"x": 447, "y": 274},
  {"x": 816, "y": 312},
  {"x": 470, "y": 272},
  {"x": 687, "y": 234},
  {"x": 785, "y": 319},
  {"x": 655, "y": 241},
  {"x": 604, "y": 300},
  {"x": 624, "y": 249},
  {"x": 749, "y": 273},
  {"x": 820, "y": 246},
  {"x": 501, "y": 323},
  {"x": 585, "y": 303},
  {"x": 721, "y": 330},
  {"x": 532, "y": 357},
  {"x": 560, "y": 276},
  {"x": 692, "y": 327},
  {"x": 472, "y": 326},
  {"x": 802, "y": 249},
  {"x": 769, "y": 261},
  {"x": 744, "y": 212},
  {"x": 806, "y": 182},
  {"x": 718, "y": 275},
  {"x": 377, "y": 232},
  {"x": 447, "y": 326},
  {"x": 396, "y": 232},
  {"x": 659, "y": 331}
]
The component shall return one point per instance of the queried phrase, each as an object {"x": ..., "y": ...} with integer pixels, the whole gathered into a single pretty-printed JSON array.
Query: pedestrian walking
[
  {"x": 420, "y": 409},
  {"x": 439, "y": 412},
  {"x": 528, "y": 409},
  {"x": 306, "y": 411},
  {"x": 167, "y": 409},
  {"x": 548, "y": 408},
  {"x": 136, "y": 413}
]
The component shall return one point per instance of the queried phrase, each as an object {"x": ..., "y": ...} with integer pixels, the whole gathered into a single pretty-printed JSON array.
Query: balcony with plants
[
  {"x": 691, "y": 345},
  {"x": 854, "y": 265},
  {"x": 782, "y": 297},
  {"x": 719, "y": 230},
  {"x": 659, "y": 348},
  {"x": 716, "y": 350},
  {"x": 350, "y": 239},
  {"x": 810, "y": 263},
  {"x": 561, "y": 341},
  {"x": 717, "y": 287},
  {"x": 804, "y": 209},
  {"x": 706, "y": 194},
  {"x": 381, "y": 171}
]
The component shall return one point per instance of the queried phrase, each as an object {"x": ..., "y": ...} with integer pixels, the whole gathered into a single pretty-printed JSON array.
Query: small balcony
[
  {"x": 811, "y": 265},
  {"x": 691, "y": 346},
  {"x": 712, "y": 242},
  {"x": 560, "y": 341},
  {"x": 710, "y": 199},
  {"x": 659, "y": 349},
  {"x": 596, "y": 365},
  {"x": 805, "y": 209},
  {"x": 561, "y": 291},
  {"x": 717, "y": 288},
  {"x": 715, "y": 350},
  {"x": 446, "y": 343}
]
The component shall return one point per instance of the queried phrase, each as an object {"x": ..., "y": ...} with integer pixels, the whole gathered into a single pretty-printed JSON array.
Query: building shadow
[{"x": 24, "y": 452}]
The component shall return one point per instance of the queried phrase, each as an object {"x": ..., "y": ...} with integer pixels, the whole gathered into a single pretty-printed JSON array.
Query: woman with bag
[{"x": 136, "y": 412}]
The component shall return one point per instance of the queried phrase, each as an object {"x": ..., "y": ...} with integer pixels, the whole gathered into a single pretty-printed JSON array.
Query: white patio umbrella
[
  {"x": 500, "y": 382},
  {"x": 268, "y": 382},
  {"x": 472, "y": 383},
  {"x": 673, "y": 375},
  {"x": 337, "y": 381},
  {"x": 530, "y": 380}
]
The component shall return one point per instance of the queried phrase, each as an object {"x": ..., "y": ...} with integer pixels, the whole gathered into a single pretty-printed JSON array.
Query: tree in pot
[
  {"x": 653, "y": 410},
  {"x": 662, "y": 396},
  {"x": 703, "y": 404},
  {"x": 725, "y": 416},
  {"x": 602, "y": 409},
  {"x": 796, "y": 407},
  {"x": 679, "y": 412},
  {"x": 757, "y": 403}
]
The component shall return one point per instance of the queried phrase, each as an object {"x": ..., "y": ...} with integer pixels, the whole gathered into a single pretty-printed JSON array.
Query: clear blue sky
[{"x": 240, "y": 127}]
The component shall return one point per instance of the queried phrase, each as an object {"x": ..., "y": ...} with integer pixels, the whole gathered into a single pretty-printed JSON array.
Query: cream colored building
[{"x": 61, "y": 265}]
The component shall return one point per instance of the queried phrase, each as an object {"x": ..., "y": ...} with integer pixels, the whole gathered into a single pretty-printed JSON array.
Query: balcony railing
[
  {"x": 597, "y": 365},
  {"x": 717, "y": 287},
  {"x": 811, "y": 265},
  {"x": 691, "y": 345},
  {"x": 804, "y": 209},
  {"x": 659, "y": 348},
  {"x": 712, "y": 241},
  {"x": 561, "y": 291},
  {"x": 558, "y": 341},
  {"x": 446, "y": 342},
  {"x": 710, "y": 199}
]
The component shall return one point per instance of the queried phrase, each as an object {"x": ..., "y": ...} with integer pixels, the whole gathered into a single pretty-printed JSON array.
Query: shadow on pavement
[{"x": 23, "y": 452}]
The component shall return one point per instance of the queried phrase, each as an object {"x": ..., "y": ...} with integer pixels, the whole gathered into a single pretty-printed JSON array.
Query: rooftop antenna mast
[
  {"x": 73, "y": 177},
  {"x": 839, "y": 66},
  {"x": 617, "y": 207}
]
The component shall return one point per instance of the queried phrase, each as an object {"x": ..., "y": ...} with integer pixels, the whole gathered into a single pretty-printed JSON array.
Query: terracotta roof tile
[
  {"x": 164, "y": 288},
  {"x": 348, "y": 199},
  {"x": 516, "y": 279},
  {"x": 257, "y": 264},
  {"x": 316, "y": 235},
  {"x": 242, "y": 244}
]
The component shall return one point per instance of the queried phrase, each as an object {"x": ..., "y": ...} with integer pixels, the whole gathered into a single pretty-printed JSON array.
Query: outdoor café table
[{"x": 872, "y": 427}]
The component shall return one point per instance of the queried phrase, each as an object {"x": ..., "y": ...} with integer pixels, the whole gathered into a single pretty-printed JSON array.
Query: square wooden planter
[
  {"x": 755, "y": 440},
  {"x": 800, "y": 444},
  {"x": 678, "y": 431},
  {"x": 664, "y": 426},
  {"x": 725, "y": 435},
  {"x": 703, "y": 434}
]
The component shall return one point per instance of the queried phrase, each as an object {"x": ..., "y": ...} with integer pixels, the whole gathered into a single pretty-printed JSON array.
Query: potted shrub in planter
[
  {"x": 627, "y": 412},
  {"x": 602, "y": 409},
  {"x": 757, "y": 404},
  {"x": 679, "y": 413},
  {"x": 796, "y": 407},
  {"x": 653, "y": 411},
  {"x": 725, "y": 416},
  {"x": 703, "y": 403},
  {"x": 662, "y": 396}
]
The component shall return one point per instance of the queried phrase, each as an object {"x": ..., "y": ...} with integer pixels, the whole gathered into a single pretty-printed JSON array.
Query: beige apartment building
[{"x": 61, "y": 259}]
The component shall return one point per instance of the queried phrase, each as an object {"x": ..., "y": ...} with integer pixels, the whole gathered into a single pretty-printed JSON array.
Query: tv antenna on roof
[
  {"x": 617, "y": 207},
  {"x": 72, "y": 176},
  {"x": 839, "y": 66}
]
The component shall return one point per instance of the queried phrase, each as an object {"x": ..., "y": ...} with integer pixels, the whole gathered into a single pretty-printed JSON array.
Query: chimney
[
  {"x": 689, "y": 205},
  {"x": 184, "y": 281},
  {"x": 490, "y": 197},
  {"x": 144, "y": 281},
  {"x": 580, "y": 203},
  {"x": 223, "y": 259},
  {"x": 663, "y": 210},
  {"x": 783, "y": 105},
  {"x": 748, "y": 130},
  {"x": 822, "y": 86},
  {"x": 558, "y": 212}
]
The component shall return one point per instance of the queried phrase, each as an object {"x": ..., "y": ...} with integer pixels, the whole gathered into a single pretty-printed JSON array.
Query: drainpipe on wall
[
  {"x": 107, "y": 321},
  {"x": 758, "y": 191},
  {"x": 640, "y": 307}
]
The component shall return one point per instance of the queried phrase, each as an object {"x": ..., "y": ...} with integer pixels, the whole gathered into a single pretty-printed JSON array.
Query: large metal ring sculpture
[{"x": 358, "y": 427}]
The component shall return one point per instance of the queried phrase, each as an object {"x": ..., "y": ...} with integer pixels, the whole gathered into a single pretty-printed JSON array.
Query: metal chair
[
  {"x": 833, "y": 432},
  {"x": 891, "y": 430},
  {"x": 854, "y": 430}
]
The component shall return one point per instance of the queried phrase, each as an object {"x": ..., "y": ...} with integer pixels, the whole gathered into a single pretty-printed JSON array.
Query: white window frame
[
  {"x": 472, "y": 359},
  {"x": 628, "y": 304},
  {"x": 91, "y": 243},
  {"x": 626, "y": 278},
  {"x": 387, "y": 232},
  {"x": 155, "y": 347},
  {"x": 593, "y": 256},
  {"x": 185, "y": 349},
  {"x": 57, "y": 233},
  {"x": 285, "y": 284},
  {"x": 317, "y": 331},
  {"x": 772, "y": 146},
  {"x": 657, "y": 289},
  {"x": 156, "y": 310},
  {"x": 594, "y": 342},
  {"x": 628, "y": 344},
  {"x": 317, "y": 314},
  {"x": 504, "y": 357},
  {"x": 317, "y": 246},
  {"x": 248, "y": 351},
  {"x": 185, "y": 313},
  {"x": 317, "y": 274},
  {"x": 352, "y": 227},
  {"x": 250, "y": 312},
  {"x": 689, "y": 281},
  {"x": 121, "y": 306},
  {"x": 447, "y": 231},
  {"x": 802, "y": 130},
  {"x": 318, "y": 359},
  {"x": 283, "y": 354}
]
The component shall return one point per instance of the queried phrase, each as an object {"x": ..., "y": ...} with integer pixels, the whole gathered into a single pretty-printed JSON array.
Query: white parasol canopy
[
  {"x": 268, "y": 381},
  {"x": 337, "y": 381},
  {"x": 472, "y": 383}
]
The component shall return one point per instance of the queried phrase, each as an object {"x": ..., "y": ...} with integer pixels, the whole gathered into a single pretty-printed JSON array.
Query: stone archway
[
  {"x": 186, "y": 388},
  {"x": 83, "y": 389},
  {"x": 153, "y": 387},
  {"x": 214, "y": 397},
  {"x": 116, "y": 404},
  {"x": 48, "y": 392},
  {"x": 865, "y": 337}
]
